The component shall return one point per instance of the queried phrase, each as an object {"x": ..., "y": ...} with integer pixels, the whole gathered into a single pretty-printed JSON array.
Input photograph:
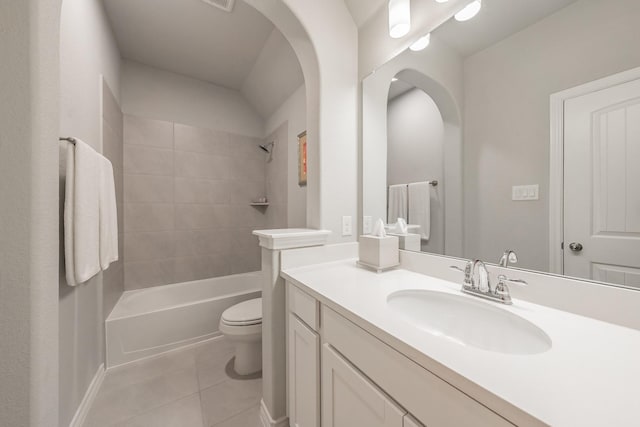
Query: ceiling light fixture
[
  {"x": 399, "y": 18},
  {"x": 469, "y": 11},
  {"x": 421, "y": 43}
]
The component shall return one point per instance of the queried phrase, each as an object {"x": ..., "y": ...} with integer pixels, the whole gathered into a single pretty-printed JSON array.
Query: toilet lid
[{"x": 245, "y": 313}]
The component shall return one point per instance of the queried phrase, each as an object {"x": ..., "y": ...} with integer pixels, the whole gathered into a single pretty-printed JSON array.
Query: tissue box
[
  {"x": 409, "y": 241},
  {"x": 379, "y": 252}
]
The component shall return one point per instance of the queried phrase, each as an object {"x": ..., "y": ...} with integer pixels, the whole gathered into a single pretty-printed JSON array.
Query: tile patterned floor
[{"x": 195, "y": 387}]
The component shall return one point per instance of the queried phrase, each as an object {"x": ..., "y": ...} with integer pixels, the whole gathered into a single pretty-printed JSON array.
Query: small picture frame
[{"x": 302, "y": 159}]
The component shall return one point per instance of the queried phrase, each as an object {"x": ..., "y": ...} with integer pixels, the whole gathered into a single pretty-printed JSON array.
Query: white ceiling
[
  {"x": 362, "y": 10},
  {"x": 192, "y": 38},
  {"x": 497, "y": 20}
]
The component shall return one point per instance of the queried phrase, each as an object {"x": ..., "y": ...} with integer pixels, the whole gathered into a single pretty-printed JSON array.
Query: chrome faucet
[
  {"x": 507, "y": 257},
  {"x": 482, "y": 286}
]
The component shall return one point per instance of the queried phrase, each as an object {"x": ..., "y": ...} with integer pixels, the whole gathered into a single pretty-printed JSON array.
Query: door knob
[{"x": 576, "y": 247}]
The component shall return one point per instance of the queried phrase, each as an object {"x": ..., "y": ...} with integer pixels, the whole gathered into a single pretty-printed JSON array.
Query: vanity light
[
  {"x": 399, "y": 18},
  {"x": 469, "y": 11},
  {"x": 421, "y": 43}
]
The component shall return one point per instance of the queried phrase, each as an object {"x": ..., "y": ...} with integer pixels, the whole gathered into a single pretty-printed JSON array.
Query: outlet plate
[
  {"x": 347, "y": 229},
  {"x": 525, "y": 192},
  {"x": 367, "y": 225}
]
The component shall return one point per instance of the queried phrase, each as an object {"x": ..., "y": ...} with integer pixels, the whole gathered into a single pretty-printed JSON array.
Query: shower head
[{"x": 267, "y": 147}]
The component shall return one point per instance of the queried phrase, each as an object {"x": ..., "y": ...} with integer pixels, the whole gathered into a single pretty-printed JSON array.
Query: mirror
[{"x": 528, "y": 117}]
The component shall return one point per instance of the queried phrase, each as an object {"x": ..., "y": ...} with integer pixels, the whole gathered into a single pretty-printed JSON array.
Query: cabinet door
[
  {"x": 304, "y": 375},
  {"x": 350, "y": 400}
]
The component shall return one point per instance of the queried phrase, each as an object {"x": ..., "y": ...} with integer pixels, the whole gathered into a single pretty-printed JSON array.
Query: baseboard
[
  {"x": 267, "y": 421},
  {"x": 87, "y": 400}
]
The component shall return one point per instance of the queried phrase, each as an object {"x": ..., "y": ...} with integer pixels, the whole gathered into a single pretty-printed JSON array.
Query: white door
[
  {"x": 349, "y": 399},
  {"x": 304, "y": 375},
  {"x": 602, "y": 185}
]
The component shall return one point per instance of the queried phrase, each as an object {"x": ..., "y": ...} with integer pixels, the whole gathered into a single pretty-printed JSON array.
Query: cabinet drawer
[
  {"x": 431, "y": 400},
  {"x": 304, "y": 306}
]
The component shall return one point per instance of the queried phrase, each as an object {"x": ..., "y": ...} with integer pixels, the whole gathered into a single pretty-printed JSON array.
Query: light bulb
[
  {"x": 469, "y": 11},
  {"x": 421, "y": 43},
  {"x": 399, "y": 18}
]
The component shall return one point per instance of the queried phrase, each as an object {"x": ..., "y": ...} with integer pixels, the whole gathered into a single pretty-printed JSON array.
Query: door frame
[{"x": 556, "y": 158}]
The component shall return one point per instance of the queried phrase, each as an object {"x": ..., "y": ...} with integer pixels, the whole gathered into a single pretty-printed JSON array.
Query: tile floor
[{"x": 194, "y": 387}]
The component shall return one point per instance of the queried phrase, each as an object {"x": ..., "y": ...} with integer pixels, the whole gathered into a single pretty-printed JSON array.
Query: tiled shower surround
[{"x": 187, "y": 194}]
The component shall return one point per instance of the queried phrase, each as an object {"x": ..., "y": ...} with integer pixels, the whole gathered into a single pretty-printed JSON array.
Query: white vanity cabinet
[
  {"x": 303, "y": 360},
  {"x": 341, "y": 375}
]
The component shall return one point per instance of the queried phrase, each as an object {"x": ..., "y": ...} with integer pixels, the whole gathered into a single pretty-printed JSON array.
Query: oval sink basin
[{"x": 468, "y": 322}]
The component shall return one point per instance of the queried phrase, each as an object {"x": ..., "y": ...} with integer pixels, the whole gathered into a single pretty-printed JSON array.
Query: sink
[{"x": 468, "y": 322}]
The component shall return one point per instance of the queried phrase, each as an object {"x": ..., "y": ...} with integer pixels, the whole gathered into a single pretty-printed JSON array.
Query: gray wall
[
  {"x": 415, "y": 153},
  {"x": 162, "y": 95},
  {"x": 87, "y": 51},
  {"x": 187, "y": 193},
  {"x": 507, "y": 89},
  {"x": 28, "y": 220}
]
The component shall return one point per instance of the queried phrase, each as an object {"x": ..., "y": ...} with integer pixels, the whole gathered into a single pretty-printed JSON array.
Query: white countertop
[{"x": 590, "y": 376}]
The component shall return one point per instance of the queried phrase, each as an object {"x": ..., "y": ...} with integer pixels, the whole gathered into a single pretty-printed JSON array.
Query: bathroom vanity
[{"x": 360, "y": 347}]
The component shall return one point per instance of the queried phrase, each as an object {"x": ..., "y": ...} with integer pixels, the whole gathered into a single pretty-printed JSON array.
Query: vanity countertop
[{"x": 590, "y": 376}]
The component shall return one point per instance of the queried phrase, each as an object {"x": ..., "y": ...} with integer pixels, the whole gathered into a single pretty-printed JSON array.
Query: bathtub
[{"x": 151, "y": 321}]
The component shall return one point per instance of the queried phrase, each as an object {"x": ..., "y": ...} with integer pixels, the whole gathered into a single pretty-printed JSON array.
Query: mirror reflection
[{"x": 528, "y": 117}]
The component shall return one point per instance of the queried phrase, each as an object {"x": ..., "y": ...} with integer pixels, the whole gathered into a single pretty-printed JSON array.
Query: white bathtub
[{"x": 151, "y": 321}]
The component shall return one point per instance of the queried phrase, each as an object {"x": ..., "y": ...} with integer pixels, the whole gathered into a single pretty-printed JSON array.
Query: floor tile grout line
[
  {"x": 228, "y": 418},
  {"x": 161, "y": 406}
]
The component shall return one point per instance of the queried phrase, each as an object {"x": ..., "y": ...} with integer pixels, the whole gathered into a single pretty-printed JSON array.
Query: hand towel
[
  {"x": 108, "y": 215},
  {"x": 420, "y": 207},
  {"x": 81, "y": 213},
  {"x": 397, "y": 203}
]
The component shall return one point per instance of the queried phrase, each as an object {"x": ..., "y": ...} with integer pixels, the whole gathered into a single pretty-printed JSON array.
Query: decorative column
[{"x": 273, "y": 411}]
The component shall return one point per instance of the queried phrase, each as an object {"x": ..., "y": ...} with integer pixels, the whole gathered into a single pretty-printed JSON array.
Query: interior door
[{"x": 602, "y": 185}]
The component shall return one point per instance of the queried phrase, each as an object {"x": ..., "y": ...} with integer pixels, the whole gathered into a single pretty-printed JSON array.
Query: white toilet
[{"x": 242, "y": 324}]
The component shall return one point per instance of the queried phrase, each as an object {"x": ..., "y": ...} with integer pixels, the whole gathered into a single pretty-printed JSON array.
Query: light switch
[{"x": 525, "y": 192}]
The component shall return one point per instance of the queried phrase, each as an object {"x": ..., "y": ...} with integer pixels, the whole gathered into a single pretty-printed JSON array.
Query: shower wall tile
[
  {"x": 187, "y": 196},
  {"x": 198, "y": 140},
  {"x": 148, "y": 188},
  {"x": 196, "y": 190},
  {"x": 149, "y": 216},
  {"x": 144, "y": 246},
  {"x": 141, "y": 159},
  {"x": 141, "y": 131},
  {"x": 198, "y": 165},
  {"x": 143, "y": 274}
]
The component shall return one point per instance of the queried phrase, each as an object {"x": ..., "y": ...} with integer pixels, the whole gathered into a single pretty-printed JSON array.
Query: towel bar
[{"x": 68, "y": 138}]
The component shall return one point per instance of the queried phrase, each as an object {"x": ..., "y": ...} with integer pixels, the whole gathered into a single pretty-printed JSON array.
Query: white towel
[
  {"x": 108, "y": 215},
  {"x": 420, "y": 207},
  {"x": 81, "y": 213},
  {"x": 397, "y": 203}
]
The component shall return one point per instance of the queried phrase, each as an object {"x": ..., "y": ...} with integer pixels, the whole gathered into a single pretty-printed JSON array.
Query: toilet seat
[{"x": 246, "y": 313}]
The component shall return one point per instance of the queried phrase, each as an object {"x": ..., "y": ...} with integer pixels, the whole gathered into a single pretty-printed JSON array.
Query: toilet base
[{"x": 248, "y": 359}]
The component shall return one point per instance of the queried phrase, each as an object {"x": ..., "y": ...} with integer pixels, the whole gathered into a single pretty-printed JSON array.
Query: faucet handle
[
  {"x": 502, "y": 279},
  {"x": 468, "y": 280}
]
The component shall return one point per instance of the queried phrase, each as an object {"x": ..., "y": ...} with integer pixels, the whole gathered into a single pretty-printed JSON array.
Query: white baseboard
[
  {"x": 267, "y": 421},
  {"x": 87, "y": 400}
]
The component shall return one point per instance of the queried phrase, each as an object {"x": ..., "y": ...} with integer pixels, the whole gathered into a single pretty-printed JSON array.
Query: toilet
[{"x": 242, "y": 324}]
